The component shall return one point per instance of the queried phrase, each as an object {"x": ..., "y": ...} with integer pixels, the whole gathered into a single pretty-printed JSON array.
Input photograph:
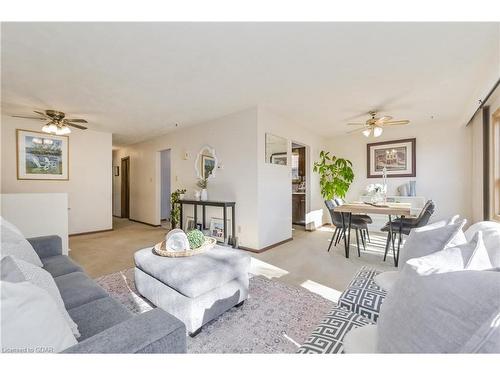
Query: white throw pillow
[
  {"x": 469, "y": 256},
  {"x": 31, "y": 321},
  {"x": 491, "y": 238},
  {"x": 361, "y": 340},
  {"x": 44, "y": 280},
  {"x": 13, "y": 243},
  {"x": 386, "y": 280},
  {"x": 431, "y": 238},
  {"x": 447, "y": 312},
  {"x": 8, "y": 224}
]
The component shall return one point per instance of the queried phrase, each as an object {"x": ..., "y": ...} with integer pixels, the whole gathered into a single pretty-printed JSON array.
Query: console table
[{"x": 222, "y": 204}]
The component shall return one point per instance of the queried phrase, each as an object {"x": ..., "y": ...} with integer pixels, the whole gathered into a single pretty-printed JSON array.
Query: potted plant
[
  {"x": 175, "y": 212},
  {"x": 336, "y": 175},
  {"x": 202, "y": 184}
]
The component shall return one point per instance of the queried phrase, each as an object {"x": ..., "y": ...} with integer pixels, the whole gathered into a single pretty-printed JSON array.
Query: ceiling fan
[
  {"x": 375, "y": 125},
  {"x": 58, "y": 123}
]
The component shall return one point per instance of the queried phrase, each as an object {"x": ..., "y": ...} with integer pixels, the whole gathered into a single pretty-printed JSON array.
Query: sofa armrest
[
  {"x": 155, "y": 331},
  {"x": 46, "y": 246}
]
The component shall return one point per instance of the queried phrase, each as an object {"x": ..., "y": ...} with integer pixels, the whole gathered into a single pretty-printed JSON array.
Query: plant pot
[{"x": 204, "y": 195}]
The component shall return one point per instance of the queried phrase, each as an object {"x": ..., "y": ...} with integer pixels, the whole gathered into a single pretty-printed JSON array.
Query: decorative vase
[
  {"x": 204, "y": 195},
  {"x": 413, "y": 188}
]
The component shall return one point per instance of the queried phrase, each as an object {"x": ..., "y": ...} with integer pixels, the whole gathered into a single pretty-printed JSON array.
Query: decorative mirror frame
[{"x": 199, "y": 158}]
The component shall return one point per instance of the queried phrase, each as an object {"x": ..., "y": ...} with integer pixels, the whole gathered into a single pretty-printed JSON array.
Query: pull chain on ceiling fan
[
  {"x": 375, "y": 125},
  {"x": 58, "y": 123}
]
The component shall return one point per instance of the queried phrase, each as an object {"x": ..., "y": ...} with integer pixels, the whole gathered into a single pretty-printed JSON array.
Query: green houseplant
[
  {"x": 175, "y": 212},
  {"x": 336, "y": 175}
]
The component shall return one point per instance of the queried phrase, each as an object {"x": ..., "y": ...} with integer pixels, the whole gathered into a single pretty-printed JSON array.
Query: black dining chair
[
  {"x": 341, "y": 226},
  {"x": 403, "y": 226},
  {"x": 367, "y": 219}
]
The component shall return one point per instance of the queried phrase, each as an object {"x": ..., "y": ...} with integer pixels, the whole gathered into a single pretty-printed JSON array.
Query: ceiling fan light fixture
[
  {"x": 367, "y": 132},
  {"x": 377, "y": 131}
]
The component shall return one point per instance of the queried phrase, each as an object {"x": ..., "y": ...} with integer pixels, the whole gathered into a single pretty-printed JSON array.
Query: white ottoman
[{"x": 194, "y": 289}]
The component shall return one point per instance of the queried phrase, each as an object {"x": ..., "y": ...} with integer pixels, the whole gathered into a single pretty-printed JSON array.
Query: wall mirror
[
  {"x": 206, "y": 163},
  {"x": 276, "y": 150}
]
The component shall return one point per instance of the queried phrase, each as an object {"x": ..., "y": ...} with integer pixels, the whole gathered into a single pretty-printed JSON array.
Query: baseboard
[
  {"x": 258, "y": 251},
  {"x": 143, "y": 222},
  {"x": 91, "y": 232}
]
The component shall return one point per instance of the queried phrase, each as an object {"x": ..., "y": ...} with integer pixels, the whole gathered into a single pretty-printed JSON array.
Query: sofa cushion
[
  {"x": 491, "y": 238},
  {"x": 447, "y": 312},
  {"x": 361, "y": 340},
  {"x": 31, "y": 321},
  {"x": 98, "y": 315},
  {"x": 195, "y": 275},
  {"x": 77, "y": 289},
  {"x": 60, "y": 265}
]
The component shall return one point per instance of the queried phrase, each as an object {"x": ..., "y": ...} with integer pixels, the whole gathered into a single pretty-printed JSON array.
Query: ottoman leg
[
  {"x": 195, "y": 333},
  {"x": 240, "y": 304}
]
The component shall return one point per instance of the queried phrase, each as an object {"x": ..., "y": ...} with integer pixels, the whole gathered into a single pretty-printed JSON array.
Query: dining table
[{"x": 385, "y": 208}]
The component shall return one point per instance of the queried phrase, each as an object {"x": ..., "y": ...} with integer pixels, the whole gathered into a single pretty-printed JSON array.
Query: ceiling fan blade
[
  {"x": 356, "y": 123},
  {"x": 383, "y": 119},
  {"x": 76, "y": 120},
  {"x": 30, "y": 117},
  {"x": 41, "y": 114},
  {"x": 400, "y": 122},
  {"x": 75, "y": 125},
  {"x": 357, "y": 130}
]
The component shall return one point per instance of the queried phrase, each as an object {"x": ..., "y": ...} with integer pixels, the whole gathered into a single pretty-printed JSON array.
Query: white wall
[
  {"x": 443, "y": 164},
  {"x": 234, "y": 138},
  {"x": 275, "y": 181},
  {"x": 165, "y": 184},
  {"x": 38, "y": 214},
  {"x": 89, "y": 187}
]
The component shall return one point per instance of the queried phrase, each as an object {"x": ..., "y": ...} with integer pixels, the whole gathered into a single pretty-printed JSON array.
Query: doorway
[
  {"x": 299, "y": 185},
  {"x": 125, "y": 188},
  {"x": 165, "y": 172}
]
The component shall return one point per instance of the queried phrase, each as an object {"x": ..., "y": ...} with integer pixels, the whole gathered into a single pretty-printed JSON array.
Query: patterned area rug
[{"x": 276, "y": 318}]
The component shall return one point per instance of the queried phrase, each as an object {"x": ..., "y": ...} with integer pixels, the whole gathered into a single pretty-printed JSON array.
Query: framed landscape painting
[
  {"x": 398, "y": 157},
  {"x": 42, "y": 156}
]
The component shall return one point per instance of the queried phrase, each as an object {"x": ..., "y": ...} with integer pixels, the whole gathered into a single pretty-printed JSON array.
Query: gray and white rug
[{"x": 276, "y": 318}]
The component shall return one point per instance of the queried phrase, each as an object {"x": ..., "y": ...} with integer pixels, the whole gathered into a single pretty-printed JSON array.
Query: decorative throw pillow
[
  {"x": 447, "y": 312},
  {"x": 469, "y": 256},
  {"x": 491, "y": 238},
  {"x": 431, "y": 238},
  {"x": 30, "y": 320},
  {"x": 8, "y": 224},
  {"x": 44, "y": 280},
  {"x": 9, "y": 271},
  {"x": 13, "y": 243}
]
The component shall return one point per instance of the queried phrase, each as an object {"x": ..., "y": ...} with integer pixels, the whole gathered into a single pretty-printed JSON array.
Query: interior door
[{"x": 125, "y": 190}]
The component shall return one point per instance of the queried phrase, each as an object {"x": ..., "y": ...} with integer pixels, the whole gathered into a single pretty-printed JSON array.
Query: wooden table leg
[
  {"x": 195, "y": 216},
  {"x": 396, "y": 259},
  {"x": 349, "y": 235},
  {"x": 225, "y": 224},
  {"x": 181, "y": 217},
  {"x": 204, "y": 218},
  {"x": 345, "y": 237},
  {"x": 233, "y": 227}
]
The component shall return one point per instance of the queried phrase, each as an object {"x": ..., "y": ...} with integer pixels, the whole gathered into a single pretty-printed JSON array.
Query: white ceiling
[{"x": 138, "y": 79}]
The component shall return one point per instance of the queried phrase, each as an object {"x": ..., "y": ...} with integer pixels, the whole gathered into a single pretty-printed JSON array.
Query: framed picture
[
  {"x": 398, "y": 157},
  {"x": 217, "y": 228},
  {"x": 208, "y": 165},
  {"x": 190, "y": 225},
  {"x": 42, "y": 156}
]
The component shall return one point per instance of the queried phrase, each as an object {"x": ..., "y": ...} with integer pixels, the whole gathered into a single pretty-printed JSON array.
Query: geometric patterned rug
[{"x": 276, "y": 317}]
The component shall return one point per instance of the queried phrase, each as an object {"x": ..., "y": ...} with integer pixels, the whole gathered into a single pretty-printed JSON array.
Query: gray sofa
[{"x": 105, "y": 325}]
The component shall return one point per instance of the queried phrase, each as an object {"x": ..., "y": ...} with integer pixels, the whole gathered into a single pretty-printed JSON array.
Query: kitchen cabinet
[{"x": 299, "y": 209}]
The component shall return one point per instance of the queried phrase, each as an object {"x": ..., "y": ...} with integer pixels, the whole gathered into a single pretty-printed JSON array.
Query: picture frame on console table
[
  {"x": 217, "y": 228},
  {"x": 41, "y": 156},
  {"x": 398, "y": 157}
]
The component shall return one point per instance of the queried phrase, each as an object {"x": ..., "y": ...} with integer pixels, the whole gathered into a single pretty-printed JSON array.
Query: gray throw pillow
[
  {"x": 30, "y": 321},
  {"x": 468, "y": 256},
  {"x": 447, "y": 312},
  {"x": 44, "y": 280},
  {"x": 431, "y": 238},
  {"x": 13, "y": 243},
  {"x": 491, "y": 238}
]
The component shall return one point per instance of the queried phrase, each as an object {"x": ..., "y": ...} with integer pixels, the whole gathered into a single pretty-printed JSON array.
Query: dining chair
[
  {"x": 366, "y": 218},
  {"x": 403, "y": 226},
  {"x": 341, "y": 226}
]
